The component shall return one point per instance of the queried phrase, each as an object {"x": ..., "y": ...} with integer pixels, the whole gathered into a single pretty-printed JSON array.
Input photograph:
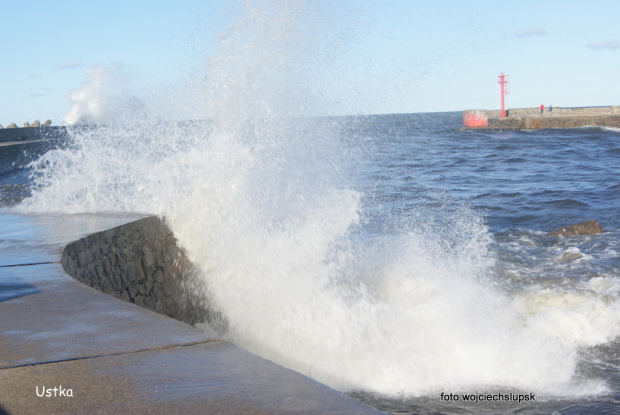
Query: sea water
[{"x": 392, "y": 257}]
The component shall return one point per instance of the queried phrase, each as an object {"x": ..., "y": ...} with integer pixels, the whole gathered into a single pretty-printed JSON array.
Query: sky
[{"x": 367, "y": 56}]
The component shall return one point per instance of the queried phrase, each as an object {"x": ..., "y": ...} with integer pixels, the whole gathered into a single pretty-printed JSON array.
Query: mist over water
[{"x": 306, "y": 265}]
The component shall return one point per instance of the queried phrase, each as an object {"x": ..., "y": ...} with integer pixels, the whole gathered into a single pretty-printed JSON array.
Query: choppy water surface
[{"x": 523, "y": 185}]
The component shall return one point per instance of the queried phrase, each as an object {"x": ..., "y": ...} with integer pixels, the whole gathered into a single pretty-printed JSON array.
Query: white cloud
[
  {"x": 534, "y": 31},
  {"x": 609, "y": 44}
]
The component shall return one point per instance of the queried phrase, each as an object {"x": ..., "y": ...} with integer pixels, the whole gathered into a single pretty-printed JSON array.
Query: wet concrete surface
[
  {"x": 65, "y": 319},
  {"x": 104, "y": 355}
]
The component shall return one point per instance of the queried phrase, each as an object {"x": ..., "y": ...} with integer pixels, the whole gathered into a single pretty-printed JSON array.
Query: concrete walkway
[{"x": 96, "y": 354}]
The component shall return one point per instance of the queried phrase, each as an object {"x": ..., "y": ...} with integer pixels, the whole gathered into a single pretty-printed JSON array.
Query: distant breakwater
[
  {"x": 535, "y": 119},
  {"x": 32, "y": 133},
  {"x": 21, "y": 146}
]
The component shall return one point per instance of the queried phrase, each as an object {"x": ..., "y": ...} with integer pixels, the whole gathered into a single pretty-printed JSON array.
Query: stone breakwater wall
[
  {"x": 140, "y": 262},
  {"x": 533, "y": 119},
  {"x": 538, "y": 123},
  {"x": 20, "y": 146},
  {"x": 32, "y": 134}
]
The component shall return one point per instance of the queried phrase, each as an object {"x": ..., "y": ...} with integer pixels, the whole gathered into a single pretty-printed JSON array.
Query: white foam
[
  {"x": 582, "y": 318},
  {"x": 603, "y": 285},
  {"x": 572, "y": 254}
]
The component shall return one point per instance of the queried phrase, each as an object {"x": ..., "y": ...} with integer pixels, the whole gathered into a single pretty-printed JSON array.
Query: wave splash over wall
[{"x": 265, "y": 204}]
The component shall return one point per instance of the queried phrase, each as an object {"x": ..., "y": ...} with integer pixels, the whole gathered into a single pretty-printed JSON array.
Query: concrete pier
[
  {"x": 94, "y": 353},
  {"x": 534, "y": 119}
]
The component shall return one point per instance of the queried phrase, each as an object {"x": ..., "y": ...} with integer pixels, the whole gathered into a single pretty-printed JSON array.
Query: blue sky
[{"x": 377, "y": 56}]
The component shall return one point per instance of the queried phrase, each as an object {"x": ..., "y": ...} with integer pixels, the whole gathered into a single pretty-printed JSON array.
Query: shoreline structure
[
  {"x": 474, "y": 119},
  {"x": 533, "y": 119}
]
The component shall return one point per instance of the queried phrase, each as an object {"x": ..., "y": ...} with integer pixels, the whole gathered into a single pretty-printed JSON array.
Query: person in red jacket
[{"x": 542, "y": 109}]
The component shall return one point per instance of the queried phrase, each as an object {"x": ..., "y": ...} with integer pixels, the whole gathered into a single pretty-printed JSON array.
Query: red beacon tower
[{"x": 503, "y": 83}]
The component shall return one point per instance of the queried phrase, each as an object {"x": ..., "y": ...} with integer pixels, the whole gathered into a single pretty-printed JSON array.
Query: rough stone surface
[
  {"x": 508, "y": 123},
  {"x": 537, "y": 123},
  {"x": 12, "y": 125},
  {"x": 36, "y": 123},
  {"x": 140, "y": 262},
  {"x": 585, "y": 228}
]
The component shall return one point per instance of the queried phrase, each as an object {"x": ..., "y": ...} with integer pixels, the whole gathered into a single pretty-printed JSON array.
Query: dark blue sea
[{"x": 396, "y": 258}]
